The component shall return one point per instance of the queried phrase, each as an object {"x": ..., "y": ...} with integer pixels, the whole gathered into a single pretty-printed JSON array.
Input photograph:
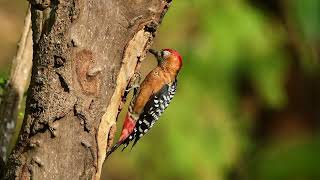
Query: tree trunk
[{"x": 84, "y": 55}]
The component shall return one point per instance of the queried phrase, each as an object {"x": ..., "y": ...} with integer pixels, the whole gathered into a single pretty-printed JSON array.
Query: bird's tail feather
[{"x": 115, "y": 147}]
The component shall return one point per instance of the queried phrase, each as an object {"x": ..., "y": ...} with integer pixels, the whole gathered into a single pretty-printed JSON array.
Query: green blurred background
[{"x": 248, "y": 101}]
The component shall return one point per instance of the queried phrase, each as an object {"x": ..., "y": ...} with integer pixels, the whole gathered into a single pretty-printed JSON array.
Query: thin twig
[{"x": 14, "y": 90}]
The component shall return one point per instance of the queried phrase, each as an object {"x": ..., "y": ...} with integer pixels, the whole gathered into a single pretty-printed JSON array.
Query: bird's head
[{"x": 168, "y": 58}]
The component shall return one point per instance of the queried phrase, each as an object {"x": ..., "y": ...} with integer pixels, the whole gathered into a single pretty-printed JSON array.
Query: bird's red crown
[{"x": 175, "y": 54}]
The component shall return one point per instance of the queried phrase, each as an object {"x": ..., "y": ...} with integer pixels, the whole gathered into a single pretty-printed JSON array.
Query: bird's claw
[{"x": 134, "y": 83}]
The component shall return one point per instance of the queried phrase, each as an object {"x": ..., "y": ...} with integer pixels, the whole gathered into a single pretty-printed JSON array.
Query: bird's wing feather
[{"x": 155, "y": 106}]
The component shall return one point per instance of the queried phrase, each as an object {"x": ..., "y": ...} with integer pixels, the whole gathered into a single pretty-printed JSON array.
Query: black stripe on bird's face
[{"x": 160, "y": 55}]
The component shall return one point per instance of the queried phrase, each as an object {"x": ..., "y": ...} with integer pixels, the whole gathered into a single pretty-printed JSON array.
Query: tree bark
[{"x": 84, "y": 55}]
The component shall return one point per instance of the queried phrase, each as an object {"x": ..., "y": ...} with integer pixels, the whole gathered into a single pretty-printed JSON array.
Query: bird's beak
[{"x": 156, "y": 53}]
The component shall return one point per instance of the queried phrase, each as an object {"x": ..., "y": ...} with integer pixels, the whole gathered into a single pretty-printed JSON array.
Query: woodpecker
[{"x": 151, "y": 98}]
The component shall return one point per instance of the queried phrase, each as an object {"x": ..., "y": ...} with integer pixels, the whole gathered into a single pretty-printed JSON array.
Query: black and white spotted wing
[{"x": 151, "y": 112}]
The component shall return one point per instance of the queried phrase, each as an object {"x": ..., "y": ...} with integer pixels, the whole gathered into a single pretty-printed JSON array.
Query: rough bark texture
[
  {"x": 15, "y": 88},
  {"x": 84, "y": 55}
]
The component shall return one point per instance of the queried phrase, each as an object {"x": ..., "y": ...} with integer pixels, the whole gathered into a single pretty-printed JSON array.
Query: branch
[{"x": 14, "y": 90}]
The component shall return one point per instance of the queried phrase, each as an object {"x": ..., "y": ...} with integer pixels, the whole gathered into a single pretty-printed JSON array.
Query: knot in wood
[{"x": 84, "y": 63}]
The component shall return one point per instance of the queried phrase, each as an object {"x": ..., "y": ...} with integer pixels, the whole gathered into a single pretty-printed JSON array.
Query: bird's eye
[
  {"x": 162, "y": 53},
  {"x": 165, "y": 54}
]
